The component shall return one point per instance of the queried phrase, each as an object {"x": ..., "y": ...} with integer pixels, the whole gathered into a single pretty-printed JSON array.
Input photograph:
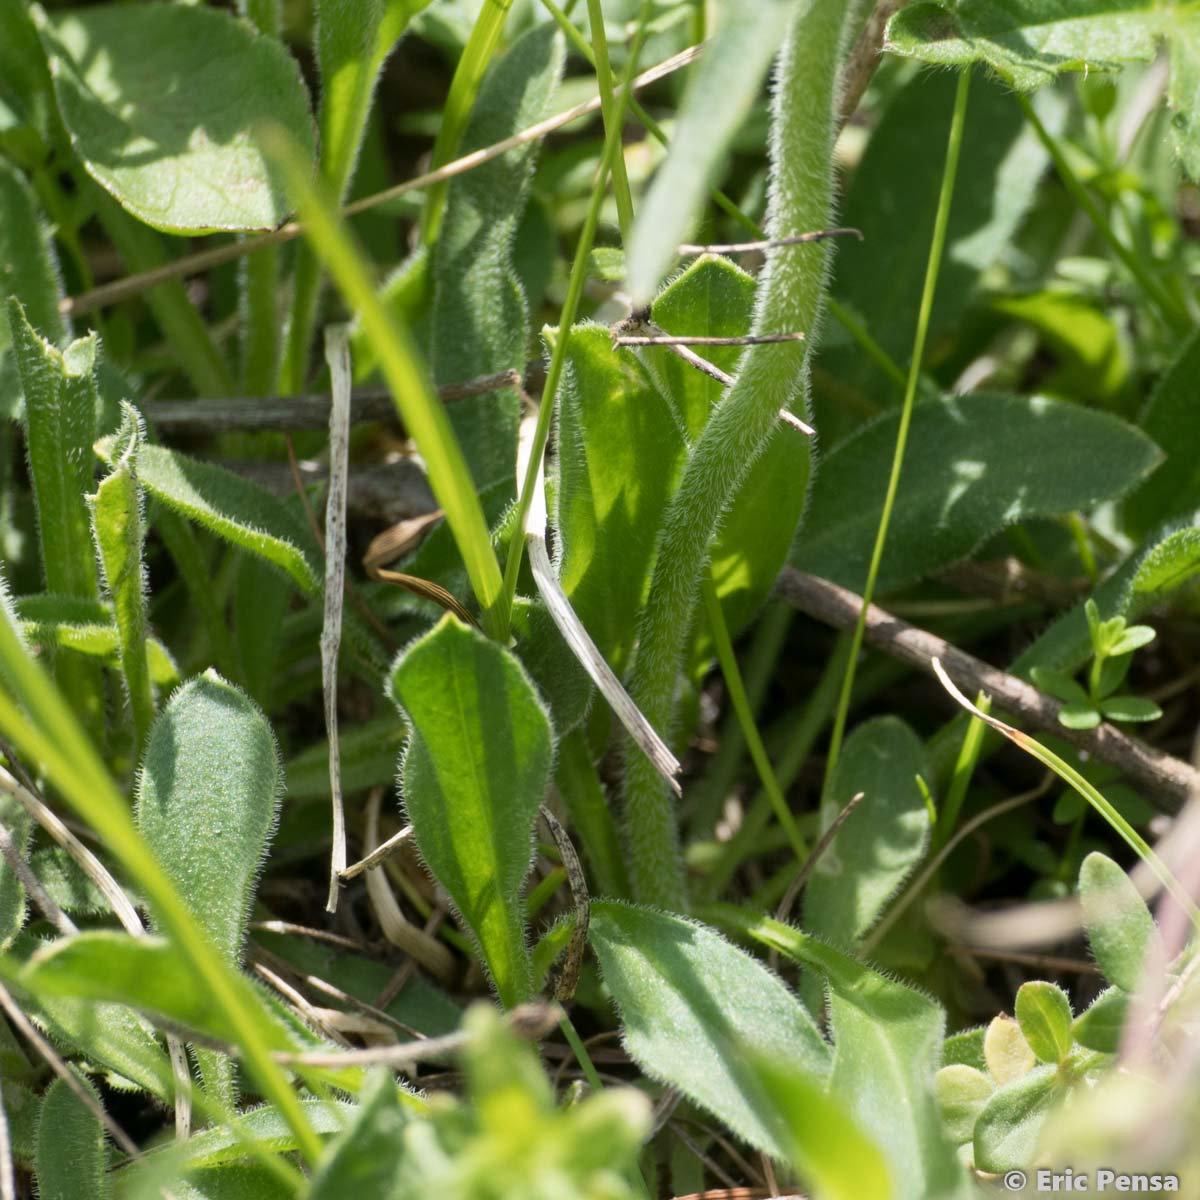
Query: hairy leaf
[
  {"x": 363, "y": 1157},
  {"x": 72, "y": 1150},
  {"x": 1170, "y": 419},
  {"x": 1099, "y": 1026},
  {"x": 881, "y": 842},
  {"x": 19, "y": 827},
  {"x": 694, "y": 1009},
  {"x": 1120, "y": 930},
  {"x": 1028, "y": 42},
  {"x": 162, "y": 102},
  {"x": 119, "y": 526},
  {"x": 721, "y": 92},
  {"x": 233, "y": 508},
  {"x": 618, "y": 456},
  {"x": 1044, "y": 1014},
  {"x": 974, "y": 465},
  {"x": 1008, "y": 1127},
  {"x": 887, "y": 1046},
  {"x": 474, "y": 775},
  {"x": 207, "y": 800},
  {"x": 480, "y": 317},
  {"x": 28, "y": 269}
]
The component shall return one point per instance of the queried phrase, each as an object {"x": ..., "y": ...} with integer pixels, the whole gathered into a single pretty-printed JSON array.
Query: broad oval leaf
[
  {"x": 694, "y": 1009},
  {"x": 882, "y": 840},
  {"x": 962, "y": 1092},
  {"x": 1008, "y": 1128},
  {"x": 72, "y": 1149},
  {"x": 474, "y": 775},
  {"x": 1044, "y": 1014},
  {"x": 1099, "y": 1027},
  {"x": 1120, "y": 930},
  {"x": 974, "y": 465},
  {"x": 207, "y": 799},
  {"x": 162, "y": 102}
]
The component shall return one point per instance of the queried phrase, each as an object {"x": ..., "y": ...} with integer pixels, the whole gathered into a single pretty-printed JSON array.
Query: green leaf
[
  {"x": 352, "y": 43},
  {"x": 207, "y": 801},
  {"x": 1112, "y": 674},
  {"x": 119, "y": 525},
  {"x": 66, "y": 884},
  {"x": 1099, "y": 1027},
  {"x": 961, "y": 1092},
  {"x": 1079, "y": 715},
  {"x": 1130, "y": 708},
  {"x": 695, "y": 1011},
  {"x": 28, "y": 269},
  {"x": 227, "y": 1143},
  {"x": 474, "y": 775},
  {"x": 1029, "y": 42},
  {"x": 363, "y": 1158},
  {"x": 1044, "y": 1014},
  {"x": 721, "y": 92},
  {"x": 1007, "y": 1130},
  {"x": 1174, "y": 489},
  {"x": 72, "y": 1151},
  {"x": 887, "y": 1044},
  {"x": 1007, "y": 1054},
  {"x": 368, "y": 757},
  {"x": 619, "y": 451},
  {"x": 828, "y": 1147},
  {"x": 235, "y": 509},
  {"x": 893, "y": 197},
  {"x": 1133, "y": 637},
  {"x": 19, "y": 826},
  {"x": 162, "y": 102},
  {"x": 480, "y": 318},
  {"x": 60, "y": 426},
  {"x": 87, "y": 627},
  {"x": 882, "y": 840},
  {"x": 1120, "y": 930},
  {"x": 1059, "y": 684},
  {"x": 975, "y": 464}
]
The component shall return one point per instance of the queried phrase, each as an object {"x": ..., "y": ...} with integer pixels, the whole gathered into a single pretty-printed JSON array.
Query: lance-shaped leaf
[
  {"x": 721, "y": 92},
  {"x": 480, "y": 316},
  {"x": 235, "y": 509},
  {"x": 365, "y": 1154},
  {"x": 1010, "y": 1123},
  {"x": 87, "y": 627},
  {"x": 882, "y": 840},
  {"x": 974, "y": 465},
  {"x": 474, "y": 775},
  {"x": 17, "y": 826},
  {"x": 72, "y": 1149},
  {"x": 60, "y": 426},
  {"x": 119, "y": 525},
  {"x": 162, "y": 102},
  {"x": 29, "y": 269},
  {"x": 887, "y": 1047},
  {"x": 696, "y": 1010},
  {"x": 1120, "y": 930},
  {"x": 207, "y": 800},
  {"x": 1028, "y": 42}
]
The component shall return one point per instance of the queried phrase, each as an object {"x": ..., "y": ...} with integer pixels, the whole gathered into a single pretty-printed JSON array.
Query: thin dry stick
[
  {"x": 337, "y": 355},
  {"x": 864, "y": 58},
  {"x": 798, "y": 239},
  {"x": 319, "y": 935},
  {"x": 1169, "y": 781},
  {"x": 397, "y": 928},
  {"x": 529, "y": 1021},
  {"x": 572, "y": 629},
  {"x": 299, "y": 1002},
  {"x": 8, "y": 1183},
  {"x": 386, "y": 850},
  {"x": 1042, "y": 962},
  {"x": 27, "y": 1030},
  {"x": 687, "y": 339},
  {"x": 810, "y": 863},
  {"x": 918, "y": 885},
  {"x": 256, "y": 414},
  {"x": 193, "y": 264},
  {"x": 568, "y": 978},
  {"x": 126, "y": 914}
]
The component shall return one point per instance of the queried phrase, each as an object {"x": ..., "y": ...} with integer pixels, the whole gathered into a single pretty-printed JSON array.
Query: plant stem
[
  {"x": 1169, "y": 308},
  {"x": 933, "y": 266},
  {"x": 613, "y": 121},
  {"x": 964, "y": 769},
  {"x": 745, "y": 716}
]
